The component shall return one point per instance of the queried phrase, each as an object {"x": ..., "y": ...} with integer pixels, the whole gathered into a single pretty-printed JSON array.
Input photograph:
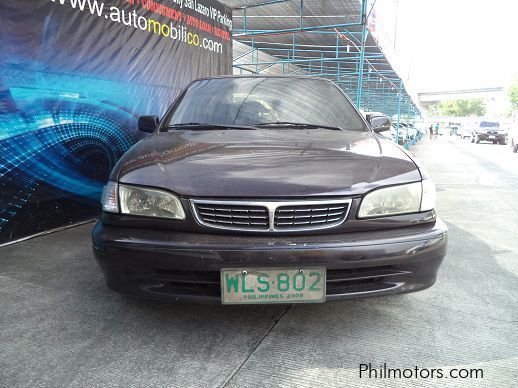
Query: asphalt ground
[{"x": 61, "y": 327}]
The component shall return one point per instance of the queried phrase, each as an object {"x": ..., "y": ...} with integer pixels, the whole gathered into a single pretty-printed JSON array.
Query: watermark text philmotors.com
[
  {"x": 370, "y": 371},
  {"x": 166, "y": 30}
]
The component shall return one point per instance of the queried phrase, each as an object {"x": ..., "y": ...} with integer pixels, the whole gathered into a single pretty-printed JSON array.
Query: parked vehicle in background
[
  {"x": 401, "y": 133},
  {"x": 465, "y": 132},
  {"x": 416, "y": 133},
  {"x": 410, "y": 131},
  {"x": 441, "y": 131},
  {"x": 489, "y": 131},
  {"x": 513, "y": 138},
  {"x": 454, "y": 130}
]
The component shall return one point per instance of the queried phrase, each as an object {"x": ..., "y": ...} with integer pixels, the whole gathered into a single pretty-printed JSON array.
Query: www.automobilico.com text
[{"x": 180, "y": 26}]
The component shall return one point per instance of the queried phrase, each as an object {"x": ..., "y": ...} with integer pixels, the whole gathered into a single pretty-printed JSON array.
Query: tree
[
  {"x": 461, "y": 108},
  {"x": 434, "y": 109},
  {"x": 513, "y": 95}
]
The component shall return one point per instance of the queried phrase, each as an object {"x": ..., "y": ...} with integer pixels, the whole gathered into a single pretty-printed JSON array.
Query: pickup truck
[{"x": 489, "y": 131}]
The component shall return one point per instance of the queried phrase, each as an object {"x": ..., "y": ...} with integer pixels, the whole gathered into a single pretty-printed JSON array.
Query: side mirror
[
  {"x": 379, "y": 123},
  {"x": 148, "y": 123}
]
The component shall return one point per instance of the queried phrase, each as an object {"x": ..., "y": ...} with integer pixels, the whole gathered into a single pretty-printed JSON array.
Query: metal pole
[
  {"x": 317, "y": 29},
  {"x": 301, "y": 23},
  {"x": 367, "y": 93},
  {"x": 257, "y": 61},
  {"x": 408, "y": 119},
  {"x": 398, "y": 109},
  {"x": 362, "y": 53},
  {"x": 337, "y": 45},
  {"x": 253, "y": 50},
  {"x": 244, "y": 20},
  {"x": 293, "y": 45}
]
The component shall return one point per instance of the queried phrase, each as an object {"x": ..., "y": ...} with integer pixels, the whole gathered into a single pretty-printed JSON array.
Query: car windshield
[
  {"x": 488, "y": 124},
  {"x": 265, "y": 102}
]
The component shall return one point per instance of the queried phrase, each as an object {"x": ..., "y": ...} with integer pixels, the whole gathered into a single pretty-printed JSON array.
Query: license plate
[
  {"x": 273, "y": 285},
  {"x": 492, "y": 137}
]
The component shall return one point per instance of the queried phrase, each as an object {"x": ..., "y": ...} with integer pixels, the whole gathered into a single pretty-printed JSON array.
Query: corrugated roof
[{"x": 274, "y": 28}]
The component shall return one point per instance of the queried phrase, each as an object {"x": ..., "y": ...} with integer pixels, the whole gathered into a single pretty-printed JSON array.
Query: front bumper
[
  {"x": 185, "y": 266},
  {"x": 491, "y": 137}
]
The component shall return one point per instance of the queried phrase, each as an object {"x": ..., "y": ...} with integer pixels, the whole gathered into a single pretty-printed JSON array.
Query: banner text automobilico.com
[{"x": 132, "y": 19}]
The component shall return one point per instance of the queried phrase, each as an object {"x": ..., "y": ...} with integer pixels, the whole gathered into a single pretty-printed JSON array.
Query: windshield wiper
[
  {"x": 205, "y": 126},
  {"x": 289, "y": 124}
]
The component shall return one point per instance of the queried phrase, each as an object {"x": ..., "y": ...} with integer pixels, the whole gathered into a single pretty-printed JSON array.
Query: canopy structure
[{"x": 328, "y": 39}]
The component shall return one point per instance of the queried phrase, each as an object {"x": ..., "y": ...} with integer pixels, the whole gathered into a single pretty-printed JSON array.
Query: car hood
[{"x": 265, "y": 163}]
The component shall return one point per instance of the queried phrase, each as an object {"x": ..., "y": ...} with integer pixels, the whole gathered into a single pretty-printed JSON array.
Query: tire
[
  {"x": 515, "y": 147},
  {"x": 494, "y": 141}
]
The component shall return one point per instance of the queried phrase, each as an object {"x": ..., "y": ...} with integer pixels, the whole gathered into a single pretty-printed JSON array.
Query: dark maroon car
[{"x": 267, "y": 190}]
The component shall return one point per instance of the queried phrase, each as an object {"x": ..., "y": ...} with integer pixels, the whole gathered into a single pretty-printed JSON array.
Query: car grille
[
  {"x": 304, "y": 216},
  {"x": 239, "y": 216},
  {"x": 271, "y": 216}
]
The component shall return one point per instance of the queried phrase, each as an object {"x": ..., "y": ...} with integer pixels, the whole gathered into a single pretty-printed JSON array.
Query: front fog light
[
  {"x": 394, "y": 200},
  {"x": 150, "y": 203}
]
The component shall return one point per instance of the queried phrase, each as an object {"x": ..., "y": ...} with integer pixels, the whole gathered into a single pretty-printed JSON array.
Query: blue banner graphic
[{"x": 73, "y": 80}]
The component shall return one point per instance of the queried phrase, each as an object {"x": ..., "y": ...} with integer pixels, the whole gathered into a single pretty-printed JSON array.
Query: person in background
[{"x": 436, "y": 131}]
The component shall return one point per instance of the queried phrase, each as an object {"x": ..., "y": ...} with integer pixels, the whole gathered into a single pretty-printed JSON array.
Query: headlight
[
  {"x": 150, "y": 203},
  {"x": 141, "y": 202},
  {"x": 402, "y": 199}
]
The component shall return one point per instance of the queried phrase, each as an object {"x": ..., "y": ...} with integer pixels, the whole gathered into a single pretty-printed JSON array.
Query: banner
[{"x": 74, "y": 77}]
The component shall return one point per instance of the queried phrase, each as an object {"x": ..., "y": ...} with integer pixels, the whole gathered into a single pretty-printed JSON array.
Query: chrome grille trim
[
  {"x": 296, "y": 216},
  {"x": 271, "y": 216},
  {"x": 225, "y": 215}
]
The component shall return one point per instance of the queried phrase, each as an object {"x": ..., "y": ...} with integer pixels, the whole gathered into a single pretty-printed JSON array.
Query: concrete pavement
[{"x": 60, "y": 326}]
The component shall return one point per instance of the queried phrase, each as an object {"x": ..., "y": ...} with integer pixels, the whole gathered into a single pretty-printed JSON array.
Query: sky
[{"x": 450, "y": 44}]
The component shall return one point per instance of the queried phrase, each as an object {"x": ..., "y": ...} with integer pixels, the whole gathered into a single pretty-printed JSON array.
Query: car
[
  {"x": 489, "y": 131},
  {"x": 399, "y": 133},
  {"x": 513, "y": 138},
  {"x": 454, "y": 130},
  {"x": 414, "y": 132},
  {"x": 267, "y": 189},
  {"x": 465, "y": 132},
  {"x": 406, "y": 130}
]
